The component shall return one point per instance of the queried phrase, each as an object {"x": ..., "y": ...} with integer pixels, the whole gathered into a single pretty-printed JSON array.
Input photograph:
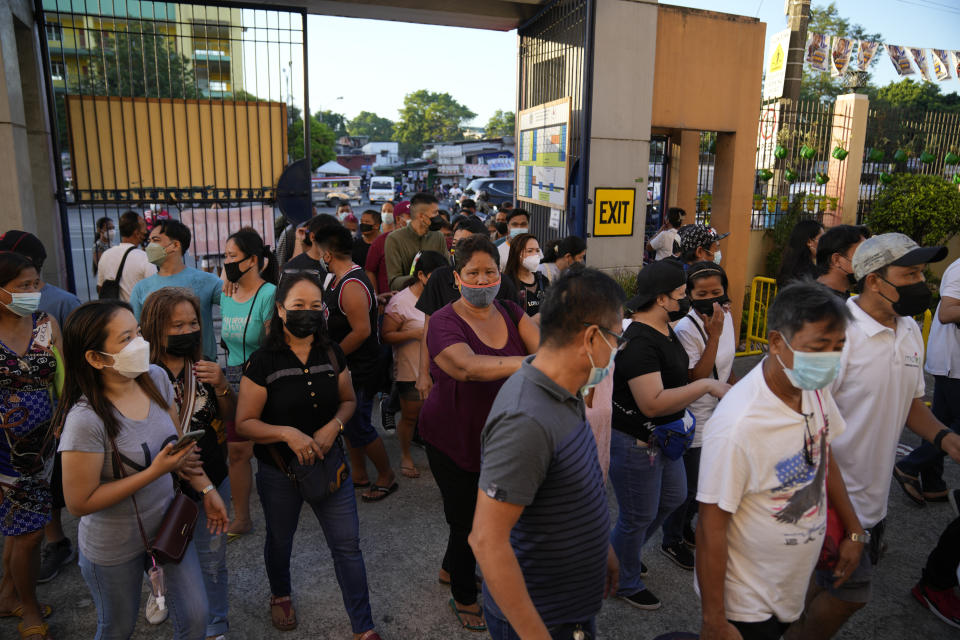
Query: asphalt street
[{"x": 403, "y": 540}]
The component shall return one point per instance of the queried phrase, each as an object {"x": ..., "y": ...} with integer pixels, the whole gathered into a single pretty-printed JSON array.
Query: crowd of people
[{"x": 529, "y": 379}]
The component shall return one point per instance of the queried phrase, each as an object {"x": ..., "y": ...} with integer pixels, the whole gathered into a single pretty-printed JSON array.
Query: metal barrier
[{"x": 762, "y": 292}]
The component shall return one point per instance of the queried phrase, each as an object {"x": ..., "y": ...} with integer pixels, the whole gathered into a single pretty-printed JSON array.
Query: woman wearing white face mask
[
  {"x": 119, "y": 422},
  {"x": 103, "y": 240},
  {"x": 522, "y": 264},
  {"x": 28, "y": 366}
]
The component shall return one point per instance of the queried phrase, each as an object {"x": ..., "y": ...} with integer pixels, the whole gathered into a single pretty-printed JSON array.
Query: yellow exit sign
[{"x": 613, "y": 212}]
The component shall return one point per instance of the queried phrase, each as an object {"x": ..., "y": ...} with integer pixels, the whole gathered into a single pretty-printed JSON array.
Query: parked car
[
  {"x": 500, "y": 190},
  {"x": 381, "y": 189}
]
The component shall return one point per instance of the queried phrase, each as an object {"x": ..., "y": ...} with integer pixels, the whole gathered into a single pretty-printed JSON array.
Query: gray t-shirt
[{"x": 111, "y": 536}]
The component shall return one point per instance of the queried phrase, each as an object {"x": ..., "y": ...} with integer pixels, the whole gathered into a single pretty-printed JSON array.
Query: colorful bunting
[
  {"x": 920, "y": 58},
  {"x": 818, "y": 46},
  {"x": 865, "y": 54},
  {"x": 842, "y": 48},
  {"x": 941, "y": 67},
  {"x": 898, "y": 56},
  {"x": 956, "y": 63}
]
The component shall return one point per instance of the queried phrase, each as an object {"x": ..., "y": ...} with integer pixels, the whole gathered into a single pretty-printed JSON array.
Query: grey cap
[{"x": 892, "y": 249}]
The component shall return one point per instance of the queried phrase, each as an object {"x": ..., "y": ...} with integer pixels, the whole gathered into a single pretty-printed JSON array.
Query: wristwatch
[
  {"x": 860, "y": 537},
  {"x": 207, "y": 489}
]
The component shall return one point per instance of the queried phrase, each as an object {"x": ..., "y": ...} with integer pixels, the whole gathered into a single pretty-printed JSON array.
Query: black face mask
[
  {"x": 914, "y": 298},
  {"x": 682, "y": 311},
  {"x": 183, "y": 345},
  {"x": 851, "y": 280},
  {"x": 704, "y": 306},
  {"x": 436, "y": 223},
  {"x": 366, "y": 228},
  {"x": 232, "y": 271},
  {"x": 303, "y": 322}
]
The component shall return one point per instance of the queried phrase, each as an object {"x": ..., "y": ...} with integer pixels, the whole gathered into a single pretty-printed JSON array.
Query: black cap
[{"x": 654, "y": 279}]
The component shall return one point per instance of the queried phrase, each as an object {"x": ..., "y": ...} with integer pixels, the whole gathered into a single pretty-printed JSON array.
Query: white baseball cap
[{"x": 892, "y": 249}]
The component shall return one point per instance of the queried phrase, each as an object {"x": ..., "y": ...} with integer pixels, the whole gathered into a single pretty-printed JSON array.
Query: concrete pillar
[
  {"x": 849, "y": 130},
  {"x": 686, "y": 178},
  {"x": 625, "y": 41}
]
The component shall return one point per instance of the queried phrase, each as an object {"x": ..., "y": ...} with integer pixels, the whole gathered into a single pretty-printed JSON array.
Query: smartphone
[{"x": 187, "y": 439}]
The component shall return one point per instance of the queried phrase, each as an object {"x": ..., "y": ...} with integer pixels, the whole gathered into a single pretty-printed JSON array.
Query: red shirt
[{"x": 377, "y": 262}]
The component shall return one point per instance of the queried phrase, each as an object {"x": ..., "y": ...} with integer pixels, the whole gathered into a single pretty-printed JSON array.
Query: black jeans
[
  {"x": 459, "y": 491},
  {"x": 941, "y": 570},
  {"x": 769, "y": 629}
]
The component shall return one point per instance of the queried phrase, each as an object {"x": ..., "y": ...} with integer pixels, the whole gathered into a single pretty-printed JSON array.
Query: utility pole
[{"x": 798, "y": 17}]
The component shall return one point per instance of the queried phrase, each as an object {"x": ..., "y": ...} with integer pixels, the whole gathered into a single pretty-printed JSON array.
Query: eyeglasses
[{"x": 621, "y": 341}]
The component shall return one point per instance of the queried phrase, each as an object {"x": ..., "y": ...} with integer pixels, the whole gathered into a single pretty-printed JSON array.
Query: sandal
[
  {"x": 17, "y": 612},
  {"x": 463, "y": 623},
  {"x": 409, "y": 472},
  {"x": 28, "y": 633},
  {"x": 361, "y": 485},
  {"x": 382, "y": 492},
  {"x": 282, "y": 614},
  {"x": 910, "y": 485}
]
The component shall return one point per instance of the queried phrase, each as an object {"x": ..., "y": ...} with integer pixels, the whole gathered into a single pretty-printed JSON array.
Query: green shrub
[
  {"x": 627, "y": 279},
  {"x": 780, "y": 234},
  {"x": 924, "y": 207}
]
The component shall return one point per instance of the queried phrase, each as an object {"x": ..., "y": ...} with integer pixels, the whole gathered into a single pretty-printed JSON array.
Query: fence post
[
  {"x": 686, "y": 179},
  {"x": 849, "y": 131}
]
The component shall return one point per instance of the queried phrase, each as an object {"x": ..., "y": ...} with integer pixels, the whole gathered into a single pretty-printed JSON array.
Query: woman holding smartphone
[
  {"x": 117, "y": 406},
  {"x": 170, "y": 322}
]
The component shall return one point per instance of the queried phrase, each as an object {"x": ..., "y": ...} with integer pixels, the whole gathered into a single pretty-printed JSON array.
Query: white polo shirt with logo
[
  {"x": 880, "y": 375},
  {"x": 943, "y": 358}
]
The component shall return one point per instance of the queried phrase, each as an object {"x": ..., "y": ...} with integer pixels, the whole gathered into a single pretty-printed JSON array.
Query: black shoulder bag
[{"x": 110, "y": 289}]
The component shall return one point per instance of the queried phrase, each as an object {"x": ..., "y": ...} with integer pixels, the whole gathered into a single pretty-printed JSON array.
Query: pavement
[{"x": 403, "y": 539}]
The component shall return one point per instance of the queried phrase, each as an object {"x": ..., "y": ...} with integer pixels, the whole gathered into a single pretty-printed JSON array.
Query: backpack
[{"x": 110, "y": 289}]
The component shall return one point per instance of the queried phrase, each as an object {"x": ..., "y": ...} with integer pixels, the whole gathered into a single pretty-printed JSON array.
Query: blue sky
[{"x": 359, "y": 65}]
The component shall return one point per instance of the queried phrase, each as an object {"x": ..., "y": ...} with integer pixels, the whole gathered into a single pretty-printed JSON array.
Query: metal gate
[
  {"x": 172, "y": 110},
  {"x": 556, "y": 51}
]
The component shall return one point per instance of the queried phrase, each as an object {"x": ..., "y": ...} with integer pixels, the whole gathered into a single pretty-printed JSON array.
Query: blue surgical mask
[
  {"x": 812, "y": 370},
  {"x": 597, "y": 374},
  {"x": 22, "y": 304},
  {"x": 514, "y": 232}
]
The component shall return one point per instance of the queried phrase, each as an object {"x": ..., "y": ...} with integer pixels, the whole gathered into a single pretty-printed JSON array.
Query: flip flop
[
  {"x": 45, "y": 612},
  {"x": 361, "y": 485},
  {"x": 459, "y": 612},
  {"x": 282, "y": 614},
  {"x": 383, "y": 492},
  {"x": 409, "y": 472},
  {"x": 910, "y": 485},
  {"x": 35, "y": 630}
]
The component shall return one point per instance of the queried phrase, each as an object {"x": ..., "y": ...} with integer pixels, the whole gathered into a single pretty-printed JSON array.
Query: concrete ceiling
[{"x": 497, "y": 15}]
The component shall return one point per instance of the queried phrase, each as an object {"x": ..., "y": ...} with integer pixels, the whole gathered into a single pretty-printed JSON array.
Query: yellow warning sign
[
  {"x": 777, "y": 59},
  {"x": 613, "y": 212}
]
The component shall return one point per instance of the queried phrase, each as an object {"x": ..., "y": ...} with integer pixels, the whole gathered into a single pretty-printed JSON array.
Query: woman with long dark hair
[
  {"x": 170, "y": 322},
  {"x": 28, "y": 365},
  {"x": 119, "y": 424},
  {"x": 800, "y": 256},
  {"x": 102, "y": 240},
  {"x": 522, "y": 263},
  {"x": 558, "y": 255},
  {"x": 246, "y": 311},
  {"x": 295, "y": 397}
]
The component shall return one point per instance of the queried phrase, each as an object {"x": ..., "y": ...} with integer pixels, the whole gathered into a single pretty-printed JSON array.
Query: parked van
[{"x": 381, "y": 189}]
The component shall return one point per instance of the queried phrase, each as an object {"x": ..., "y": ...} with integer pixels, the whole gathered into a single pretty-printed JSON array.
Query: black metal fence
[
  {"x": 555, "y": 52},
  {"x": 170, "y": 109},
  {"x": 706, "y": 163}
]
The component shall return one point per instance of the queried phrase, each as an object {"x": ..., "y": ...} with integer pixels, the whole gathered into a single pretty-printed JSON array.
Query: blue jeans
[
  {"x": 212, "y": 551},
  {"x": 359, "y": 429},
  {"x": 647, "y": 492},
  {"x": 926, "y": 460},
  {"x": 337, "y": 514},
  {"x": 676, "y": 522},
  {"x": 116, "y": 594},
  {"x": 501, "y": 629}
]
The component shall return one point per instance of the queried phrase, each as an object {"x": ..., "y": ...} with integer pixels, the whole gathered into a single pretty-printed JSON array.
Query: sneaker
[
  {"x": 954, "y": 498},
  {"x": 643, "y": 570},
  {"x": 153, "y": 613},
  {"x": 689, "y": 538},
  {"x": 387, "y": 417},
  {"x": 643, "y": 600},
  {"x": 942, "y": 603},
  {"x": 680, "y": 554},
  {"x": 53, "y": 557}
]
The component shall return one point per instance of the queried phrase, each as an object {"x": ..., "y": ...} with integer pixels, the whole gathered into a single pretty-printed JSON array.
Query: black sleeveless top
[{"x": 363, "y": 361}]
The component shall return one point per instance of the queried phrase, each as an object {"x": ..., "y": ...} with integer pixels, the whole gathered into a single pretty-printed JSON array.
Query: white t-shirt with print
[
  {"x": 693, "y": 343},
  {"x": 753, "y": 466},
  {"x": 943, "y": 344}
]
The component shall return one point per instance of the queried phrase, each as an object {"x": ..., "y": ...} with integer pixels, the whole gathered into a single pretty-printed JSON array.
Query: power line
[{"x": 943, "y": 8}]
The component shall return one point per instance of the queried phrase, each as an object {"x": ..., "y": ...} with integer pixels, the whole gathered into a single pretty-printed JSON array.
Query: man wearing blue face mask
[
  {"x": 766, "y": 473},
  {"x": 540, "y": 468},
  {"x": 518, "y": 221}
]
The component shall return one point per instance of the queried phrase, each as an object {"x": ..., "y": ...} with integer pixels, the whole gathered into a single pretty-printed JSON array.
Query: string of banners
[{"x": 836, "y": 55}]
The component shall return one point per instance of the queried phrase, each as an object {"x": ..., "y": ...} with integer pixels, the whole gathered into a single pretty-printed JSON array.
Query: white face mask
[
  {"x": 110, "y": 235},
  {"x": 387, "y": 219},
  {"x": 717, "y": 257},
  {"x": 133, "y": 359},
  {"x": 530, "y": 263}
]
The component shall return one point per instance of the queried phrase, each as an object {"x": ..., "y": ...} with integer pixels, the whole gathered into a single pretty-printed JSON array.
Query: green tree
[
  {"x": 916, "y": 97},
  {"x": 429, "y": 117},
  {"x": 501, "y": 123},
  {"x": 321, "y": 141},
  {"x": 371, "y": 125},
  {"x": 818, "y": 85},
  {"x": 337, "y": 122},
  {"x": 924, "y": 207}
]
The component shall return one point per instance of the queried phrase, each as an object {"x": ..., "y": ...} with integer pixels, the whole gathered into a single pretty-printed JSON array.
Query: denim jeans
[
  {"x": 116, "y": 594},
  {"x": 675, "y": 523},
  {"x": 337, "y": 515},
  {"x": 501, "y": 629},
  {"x": 647, "y": 492},
  {"x": 359, "y": 429},
  {"x": 212, "y": 551},
  {"x": 926, "y": 460}
]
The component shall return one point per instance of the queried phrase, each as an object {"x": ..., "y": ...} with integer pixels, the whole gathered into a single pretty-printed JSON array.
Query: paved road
[{"x": 403, "y": 539}]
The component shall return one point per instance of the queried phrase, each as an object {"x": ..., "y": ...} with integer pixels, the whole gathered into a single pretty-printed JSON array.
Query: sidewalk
[{"x": 403, "y": 539}]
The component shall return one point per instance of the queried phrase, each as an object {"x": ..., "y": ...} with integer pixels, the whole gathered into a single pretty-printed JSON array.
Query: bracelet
[
  {"x": 207, "y": 489},
  {"x": 938, "y": 441},
  {"x": 225, "y": 392},
  {"x": 340, "y": 422}
]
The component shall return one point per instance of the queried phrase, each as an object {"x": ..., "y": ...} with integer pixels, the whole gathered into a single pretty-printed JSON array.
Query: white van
[{"x": 381, "y": 189}]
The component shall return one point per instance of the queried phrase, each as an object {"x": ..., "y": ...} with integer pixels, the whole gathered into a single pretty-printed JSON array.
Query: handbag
[
  {"x": 324, "y": 477},
  {"x": 675, "y": 437}
]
